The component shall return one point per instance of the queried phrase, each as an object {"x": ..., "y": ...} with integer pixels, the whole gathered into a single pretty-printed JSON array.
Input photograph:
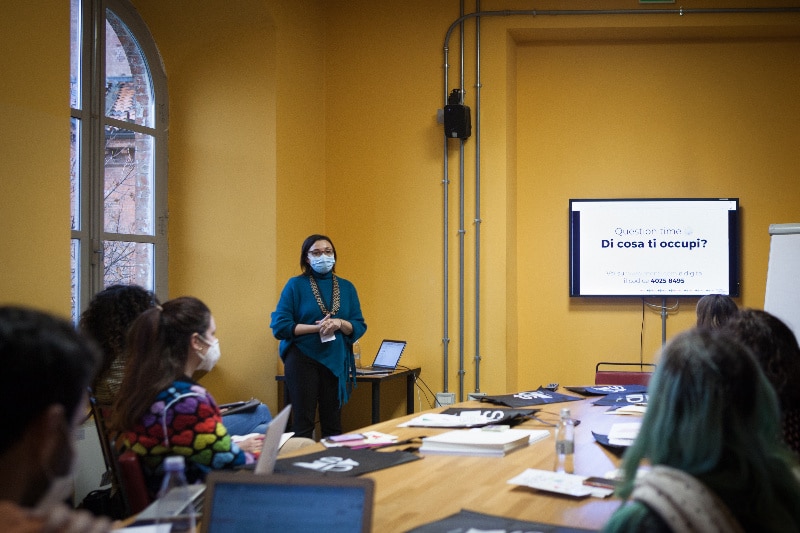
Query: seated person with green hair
[{"x": 711, "y": 438}]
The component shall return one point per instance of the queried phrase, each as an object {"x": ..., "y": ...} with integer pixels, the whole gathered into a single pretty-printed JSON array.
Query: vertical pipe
[
  {"x": 445, "y": 244},
  {"x": 461, "y": 232},
  {"x": 445, "y": 262},
  {"x": 478, "y": 198}
]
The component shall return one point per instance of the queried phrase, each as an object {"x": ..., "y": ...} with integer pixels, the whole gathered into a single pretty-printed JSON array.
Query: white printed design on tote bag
[{"x": 330, "y": 464}]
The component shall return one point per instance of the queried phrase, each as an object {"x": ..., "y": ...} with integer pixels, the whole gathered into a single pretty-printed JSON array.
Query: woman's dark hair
[
  {"x": 110, "y": 314},
  {"x": 157, "y": 350},
  {"x": 713, "y": 310},
  {"x": 712, "y": 414},
  {"x": 774, "y": 346},
  {"x": 307, "y": 244},
  {"x": 47, "y": 362}
]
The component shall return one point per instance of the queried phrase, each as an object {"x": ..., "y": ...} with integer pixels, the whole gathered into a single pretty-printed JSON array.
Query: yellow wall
[
  {"x": 34, "y": 150},
  {"x": 383, "y": 140},
  {"x": 289, "y": 118},
  {"x": 619, "y": 117},
  {"x": 221, "y": 72}
]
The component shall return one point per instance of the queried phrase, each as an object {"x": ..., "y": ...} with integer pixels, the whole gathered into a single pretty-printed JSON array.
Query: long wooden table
[{"x": 437, "y": 486}]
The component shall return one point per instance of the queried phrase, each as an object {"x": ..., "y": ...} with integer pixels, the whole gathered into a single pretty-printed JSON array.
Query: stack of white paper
[
  {"x": 480, "y": 441},
  {"x": 623, "y": 434},
  {"x": 560, "y": 482},
  {"x": 441, "y": 420}
]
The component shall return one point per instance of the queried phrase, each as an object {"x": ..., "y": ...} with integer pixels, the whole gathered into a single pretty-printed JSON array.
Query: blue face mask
[{"x": 322, "y": 264}]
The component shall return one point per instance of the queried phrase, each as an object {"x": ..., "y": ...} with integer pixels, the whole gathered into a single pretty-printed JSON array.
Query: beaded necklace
[{"x": 336, "y": 298}]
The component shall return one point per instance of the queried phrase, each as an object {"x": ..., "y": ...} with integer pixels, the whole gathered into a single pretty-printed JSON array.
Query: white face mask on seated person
[{"x": 211, "y": 357}]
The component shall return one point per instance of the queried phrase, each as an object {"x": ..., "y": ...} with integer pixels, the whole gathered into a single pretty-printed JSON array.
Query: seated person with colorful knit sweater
[{"x": 160, "y": 409}]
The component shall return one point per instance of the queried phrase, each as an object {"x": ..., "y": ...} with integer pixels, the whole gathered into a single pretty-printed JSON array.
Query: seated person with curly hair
[{"x": 106, "y": 320}]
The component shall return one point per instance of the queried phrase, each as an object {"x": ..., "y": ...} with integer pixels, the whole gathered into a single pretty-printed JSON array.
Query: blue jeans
[{"x": 254, "y": 421}]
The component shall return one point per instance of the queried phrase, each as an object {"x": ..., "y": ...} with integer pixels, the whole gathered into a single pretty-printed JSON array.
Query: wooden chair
[
  {"x": 123, "y": 468},
  {"x": 621, "y": 373}
]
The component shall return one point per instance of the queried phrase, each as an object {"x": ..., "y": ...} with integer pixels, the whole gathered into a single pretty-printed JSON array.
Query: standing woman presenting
[{"x": 317, "y": 320}]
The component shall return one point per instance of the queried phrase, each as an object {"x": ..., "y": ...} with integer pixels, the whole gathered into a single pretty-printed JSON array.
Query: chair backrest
[
  {"x": 100, "y": 413},
  {"x": 615, "y": 373},
  {"x": 124, "y": 469}
]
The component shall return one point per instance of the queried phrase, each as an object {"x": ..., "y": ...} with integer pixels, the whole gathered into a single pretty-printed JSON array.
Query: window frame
[{"x": 91, "y": 144}]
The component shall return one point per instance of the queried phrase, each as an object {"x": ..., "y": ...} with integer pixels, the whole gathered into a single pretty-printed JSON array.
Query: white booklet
[
  {"x": 442, "y": 420},
  {"x": 481, "y": 441},
  {"x": 623, "y": 433},
  {"x": 560, "y": 482}
]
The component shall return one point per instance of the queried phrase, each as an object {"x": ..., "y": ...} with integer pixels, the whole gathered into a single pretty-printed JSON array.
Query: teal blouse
[{"x": 298, "y": 305}]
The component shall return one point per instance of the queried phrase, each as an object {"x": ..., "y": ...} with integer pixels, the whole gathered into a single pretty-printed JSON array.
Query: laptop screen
[
  {"x": 272, "y": 442},
  {"x": 245, "y": 503},
  {"x": 389, "y": 353}
]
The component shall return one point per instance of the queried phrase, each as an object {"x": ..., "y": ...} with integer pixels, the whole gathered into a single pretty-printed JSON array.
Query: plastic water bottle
[
  {"x": 175, "y": 505},
  {"x": 357, "y": 354},
  {"x": 565, "y": 443}
]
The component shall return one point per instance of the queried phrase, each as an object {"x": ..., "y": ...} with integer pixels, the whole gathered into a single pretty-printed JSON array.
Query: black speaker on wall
[{"x": 457, "y": 123}]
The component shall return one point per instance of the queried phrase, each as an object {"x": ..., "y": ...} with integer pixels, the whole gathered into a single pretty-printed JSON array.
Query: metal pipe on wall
[
  {"x": 460, "y": 23},
  {"x": 478, "y": 198},
  {"x": 461, "y": 234},
  {"x": 446, "y": 223}
]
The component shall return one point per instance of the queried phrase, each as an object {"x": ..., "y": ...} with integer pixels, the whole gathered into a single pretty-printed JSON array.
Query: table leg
[
  {"x": 410, "y": 393},
  {"x": 376, "y": 401}
]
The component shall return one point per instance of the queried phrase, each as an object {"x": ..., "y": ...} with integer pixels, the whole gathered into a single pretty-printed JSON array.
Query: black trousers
[{"x": 312, "y": 385}]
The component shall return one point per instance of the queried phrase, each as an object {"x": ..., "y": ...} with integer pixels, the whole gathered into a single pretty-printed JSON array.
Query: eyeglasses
[{"x": 319, "y": 253}]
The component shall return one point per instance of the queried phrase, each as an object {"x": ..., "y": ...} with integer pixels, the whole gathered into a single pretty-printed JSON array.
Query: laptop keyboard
[{"x": 152, "y": 511}]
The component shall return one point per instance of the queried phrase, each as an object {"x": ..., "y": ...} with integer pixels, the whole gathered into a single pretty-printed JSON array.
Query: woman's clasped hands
[{"x": 329, "y": 325}]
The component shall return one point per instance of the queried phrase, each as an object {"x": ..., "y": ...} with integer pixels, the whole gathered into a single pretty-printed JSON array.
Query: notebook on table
[
  {"x": 287, "y": 503},
  {"x": 386, "y": 359}
]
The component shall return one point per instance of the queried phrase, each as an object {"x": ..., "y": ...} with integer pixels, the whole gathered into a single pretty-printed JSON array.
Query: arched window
[{"x": 118, "y": 175}]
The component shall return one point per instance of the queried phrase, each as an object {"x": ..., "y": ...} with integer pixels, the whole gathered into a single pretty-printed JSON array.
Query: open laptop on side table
[{"x": 386, "y": 359}]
